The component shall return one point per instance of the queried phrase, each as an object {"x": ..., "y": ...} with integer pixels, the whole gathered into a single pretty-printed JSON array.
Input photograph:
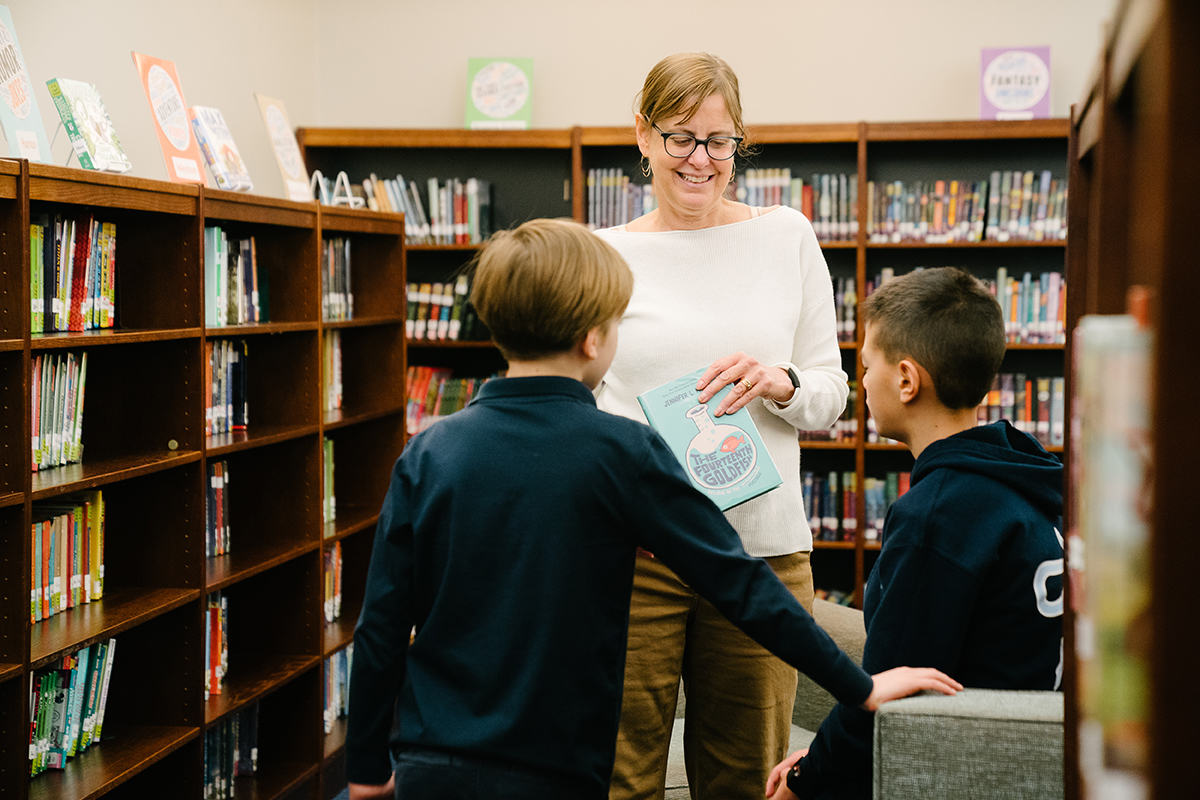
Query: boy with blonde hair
[
  {"x": 969, "y": 579},
  {"x": 508, "y": 539}
]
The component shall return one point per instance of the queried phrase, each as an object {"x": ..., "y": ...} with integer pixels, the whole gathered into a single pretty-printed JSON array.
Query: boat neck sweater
[{"x": 760, "y": 286}]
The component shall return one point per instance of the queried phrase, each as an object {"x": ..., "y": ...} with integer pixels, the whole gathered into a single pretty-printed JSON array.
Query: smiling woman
[{"x": 744, "y": 290}]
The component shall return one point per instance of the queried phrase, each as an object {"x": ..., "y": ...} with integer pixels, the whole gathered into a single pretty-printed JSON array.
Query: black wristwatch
[{"x": 795, "y": 378}]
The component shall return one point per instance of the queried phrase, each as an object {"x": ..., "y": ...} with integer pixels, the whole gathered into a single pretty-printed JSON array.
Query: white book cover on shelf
[
  {"x": 287, "y": 151},
  {"x": 19, "y": 113},
  {"x": 1014, "y": 83},
  {"x": 499, "y": 93},
  {"x": 86, "y": 121}
]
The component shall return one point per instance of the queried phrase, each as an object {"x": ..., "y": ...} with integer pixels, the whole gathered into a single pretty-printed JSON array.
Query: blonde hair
[
  {"x": 677, "y": 85},
  {"x": 541, "y": 287}
]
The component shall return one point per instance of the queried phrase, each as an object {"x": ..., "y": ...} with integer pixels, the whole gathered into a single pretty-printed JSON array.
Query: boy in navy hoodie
[
  {"x": 969, "y": 578},
  {"x": 508, "y": 539}
]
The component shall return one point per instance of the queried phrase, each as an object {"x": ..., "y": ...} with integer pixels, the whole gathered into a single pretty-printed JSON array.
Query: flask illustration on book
[
  {"x": 719, "y": 456},
  {"x": 725, "y": 457}
]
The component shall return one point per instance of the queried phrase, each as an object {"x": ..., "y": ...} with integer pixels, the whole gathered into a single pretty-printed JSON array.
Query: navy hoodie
[{"x": 969, "y": 581}]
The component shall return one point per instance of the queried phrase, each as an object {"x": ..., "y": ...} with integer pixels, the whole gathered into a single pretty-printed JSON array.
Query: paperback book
[
  {"x": 19, "y": 111},
  {"x": 180, "y": 151},
  {"x": 220, "y": 153},
  {"x": 87, "y": 124},
  {"x": 287, "y": 152},
  {"x": 724, "y": 457}
]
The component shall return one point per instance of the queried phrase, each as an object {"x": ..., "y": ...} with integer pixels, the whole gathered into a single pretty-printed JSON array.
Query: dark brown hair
[{"x": 946, "y": 321}]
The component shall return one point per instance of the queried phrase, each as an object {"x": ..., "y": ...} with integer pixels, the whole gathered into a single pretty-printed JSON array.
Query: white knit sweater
[{"x": 760, "y": 286}]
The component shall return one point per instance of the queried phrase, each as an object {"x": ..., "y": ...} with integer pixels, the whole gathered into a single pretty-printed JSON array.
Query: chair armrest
[{"x": 979, "y": 743}]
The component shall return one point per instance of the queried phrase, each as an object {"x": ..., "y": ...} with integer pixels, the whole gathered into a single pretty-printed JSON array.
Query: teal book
[
  {"x": 724, "y": 456},
  {"x": 18, "y": 107}
]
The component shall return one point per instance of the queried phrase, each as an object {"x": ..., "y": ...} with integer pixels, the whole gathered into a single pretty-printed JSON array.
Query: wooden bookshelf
[
  {"x": 1135, "y": 158},
  {"x": 145, "y": 447},
  {"x": 528, "y": 168}
]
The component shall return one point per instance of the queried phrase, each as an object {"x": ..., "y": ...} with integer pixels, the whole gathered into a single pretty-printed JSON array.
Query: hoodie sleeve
[{"x": 920, "y": 606}]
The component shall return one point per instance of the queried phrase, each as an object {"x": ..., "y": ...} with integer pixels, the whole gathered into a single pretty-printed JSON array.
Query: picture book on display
[
  {"x": 220, "y": 153},
  {"x": 499, "y": 93},
  {"x": 87, "y": 124},
  {"x": 287, "y": 152},
  {"x": 724, "y": 456},
  {"x": 165, "y": 96},
  {"x": 19, "y": 111}
]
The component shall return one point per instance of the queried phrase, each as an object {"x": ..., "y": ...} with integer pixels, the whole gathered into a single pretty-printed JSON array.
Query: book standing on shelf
[
  {"x": 19, "y": 111},
  {"x": 72, "y": 274},
  {"x": 220, "y": 153},
  {"x": 67, "y": 704},
  {"x": 57, "y": 386},
  {"x": 331, "y": 370},
  {"x": 434, "y": 395},
  {"x": 441, "y": 311},
  {"x": 217, "y": 538},
  {"x": 329, "y": 499},
  {"x": 337, "y": 300},
  {"x": 613, "y": 199},
  {"x": 230, "y": 751},
  {"x": 227, "y": 409},
  {"x": 337, "y": 685},
  {"x": 67, "y": 555},
  {"x": 287, "y": 152},
  {"x": 235, "y": 290},
  {"x": 216, "y": 643},
  {"x": 87, "y": 124},
  {"x": 333, "y": 582},
  {"x": 164, "y": 94}
]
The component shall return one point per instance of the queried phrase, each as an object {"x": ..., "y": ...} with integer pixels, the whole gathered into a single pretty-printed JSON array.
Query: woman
[{"x": 746, "y": 291}]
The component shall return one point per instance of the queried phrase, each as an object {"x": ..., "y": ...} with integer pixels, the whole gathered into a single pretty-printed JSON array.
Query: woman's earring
[{"x": 645, "y": 163}]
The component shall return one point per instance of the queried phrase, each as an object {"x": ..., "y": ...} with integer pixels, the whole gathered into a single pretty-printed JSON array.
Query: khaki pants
[{"x": 739, "y": 696}]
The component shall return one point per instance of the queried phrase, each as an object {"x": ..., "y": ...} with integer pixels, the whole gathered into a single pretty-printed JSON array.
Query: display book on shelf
[
  {"x": 954, "y": 165},
  {"x": 97, "y": 524}
]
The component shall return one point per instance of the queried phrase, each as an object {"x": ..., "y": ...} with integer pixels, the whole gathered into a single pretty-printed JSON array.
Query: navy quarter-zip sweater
[
  {"x": 508, "y": 538},
  {"x": 969, "y": 580}
]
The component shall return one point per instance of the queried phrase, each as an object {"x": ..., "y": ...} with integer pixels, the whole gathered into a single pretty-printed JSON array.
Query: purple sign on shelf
[{"x": 1014, "y": 83}]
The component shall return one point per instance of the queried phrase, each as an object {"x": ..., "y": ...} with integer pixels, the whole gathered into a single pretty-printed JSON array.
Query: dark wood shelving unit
[
  {"x": 527, "y": 169},
  {"x": 145, "y": 447},
  {"x": 1135, "y": 161}
]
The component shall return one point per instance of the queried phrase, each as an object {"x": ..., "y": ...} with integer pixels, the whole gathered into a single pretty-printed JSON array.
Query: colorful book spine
[{"x": 67, "y": 703}]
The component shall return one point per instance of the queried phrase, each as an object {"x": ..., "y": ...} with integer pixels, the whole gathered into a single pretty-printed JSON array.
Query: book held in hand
[
  {"x": 724, "y": 456},
  {"x": 87, "y": 124}
]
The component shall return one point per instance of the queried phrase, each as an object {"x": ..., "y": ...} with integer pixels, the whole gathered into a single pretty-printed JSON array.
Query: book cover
[
  {"x": 1014, "y": 83},
  {"x": 220, "y": 153},
  {"x": 88, "y": 125},
  {"x": 499, "y": 94},
  {"x": 287, "y": 152},
  {"x": 19, "y": 113},
  {"x": 180, "y": 151},
  {"x": 725, "y": 457}
]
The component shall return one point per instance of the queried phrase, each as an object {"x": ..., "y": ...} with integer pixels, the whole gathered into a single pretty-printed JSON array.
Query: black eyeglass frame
[{"x": 737, "y": 140}]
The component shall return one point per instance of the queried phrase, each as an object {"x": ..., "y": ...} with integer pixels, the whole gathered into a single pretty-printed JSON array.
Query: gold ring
[{"x": 746, "y": 384}]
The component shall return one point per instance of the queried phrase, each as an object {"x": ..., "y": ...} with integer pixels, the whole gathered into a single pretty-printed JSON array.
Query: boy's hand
[
  {"x": 777, "y": 788},
  {"x": 903, "y": 681},
  {"x": 364, "y": 791}
]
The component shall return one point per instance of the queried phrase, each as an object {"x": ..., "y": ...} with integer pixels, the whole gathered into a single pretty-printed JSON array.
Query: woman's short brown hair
[
  {"x": 677, "y": 85},
  {"x": 541, "y": 287},
  {"x": 945, "y": 320}
]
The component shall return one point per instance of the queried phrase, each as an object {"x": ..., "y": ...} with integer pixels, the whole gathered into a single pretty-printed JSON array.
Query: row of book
[
  {"x": 216, "y": 643},
  {"x": 57, "y": 384},
  {"x": 1011, "y": 206},
  {"x": 328, "y": 498},
  {"x": 72, "y": 274},
  {"x": 835, "y": 596},
  {"x": 460, "y": 212},
  {"x": 331, "y": 370},
  {"x": 433, "y": 394},
  {"x": 235, "y": 289},
  {"x": 829, "y": 200},
  {"x": 1034, "y": 307},
  {"x": 226, "y": 407},
  {"x": 846, "y": 427},
  {"x": 66, "y": 706},
  {"x": 443, "y": 311},
  {"x": 216, "y": 504},
  {"x": 1035, "y": 405},
  {"x": 614, "y": 199},
  {"x": 831, "y": 503},
  {"x": 67, "y": 555},
  {"x": 332, "y": 562},
  {"x": 230, "y": 751},
  {"x": 337, "y": 685},
  {"x": 337, "y": 301},
  {"x": 845, "y": 300}
]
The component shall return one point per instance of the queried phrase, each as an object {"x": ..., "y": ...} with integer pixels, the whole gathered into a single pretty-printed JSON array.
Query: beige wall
[{"x": 402, "y": 63}]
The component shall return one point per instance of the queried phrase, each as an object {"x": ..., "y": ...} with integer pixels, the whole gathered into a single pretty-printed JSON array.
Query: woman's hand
[
  {"x": 750, "y": 379},
  {"x": 778, "y": 778},
  {"x": 363, "y": 791},
  {"x": 903, "y": 681}
]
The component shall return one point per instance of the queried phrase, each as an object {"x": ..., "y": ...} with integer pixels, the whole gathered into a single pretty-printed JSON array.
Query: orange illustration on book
[
  {"x": 732, "y": 443},
  {"x": 180, "y": 150}
]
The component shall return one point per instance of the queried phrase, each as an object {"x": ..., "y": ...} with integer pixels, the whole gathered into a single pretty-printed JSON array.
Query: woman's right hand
[{"x": 903, "y": 681}]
